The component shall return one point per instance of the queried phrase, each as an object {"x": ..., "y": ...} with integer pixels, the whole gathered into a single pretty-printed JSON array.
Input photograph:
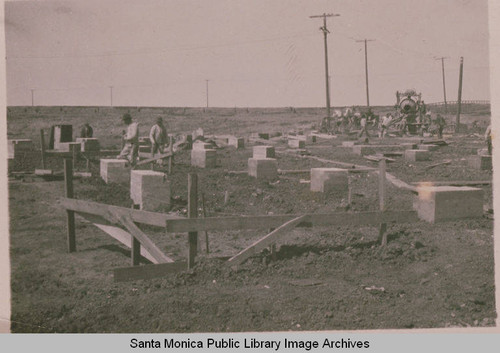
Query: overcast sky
[{"x": 257, "y": 53}]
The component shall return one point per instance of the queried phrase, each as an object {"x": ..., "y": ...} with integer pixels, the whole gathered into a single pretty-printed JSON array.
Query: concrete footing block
[
  {"x": 263, "y": 168},
  {"x": 480, "y": 162},
  {"x": 260, "y": 152},
  {"x": 429, "y": 148},
  {"x": 237, "y": 142},
  {"x": 329, "y": 179},
  {"x": 15, "y": 147},
  {"x": 150, "y": 190},
  {"x": 363, "y": 150},
  {"x": 200, "y": 145},
  {"x": 69, "y": 146},
  {"x": 115, "y": 171},
  {"x": 442, "y": 203},
  {"x": 203, "y": 158},
  {"x": 409, "y": 146},
  {"x": 89, "y": 144},
  {"x": 296, "y": 143},
  {"x": 417, "y": 155}
]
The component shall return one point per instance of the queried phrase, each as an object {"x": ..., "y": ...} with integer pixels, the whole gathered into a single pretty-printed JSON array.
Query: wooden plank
[
  {"x": 147, "y": 271},
  {"x": 266, "y": 241},
  {"x": 399, "y": 183},
  {"x": 42, "y": 145},
  {"x": 438, "y": 164},
  {"x": 124, "y": 237},
  {"x": 90, "y": 207},
  {"x": 452, "y": 183},
  {"x": 265, "y": 222},
  {"x": 138, "y": 234},
  {"x": 70, "y": 215},
  {"x": 149, "y": 160}
]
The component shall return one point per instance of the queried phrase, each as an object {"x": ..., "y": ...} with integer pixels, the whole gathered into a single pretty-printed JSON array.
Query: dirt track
[{"x": 320, "y": 279}]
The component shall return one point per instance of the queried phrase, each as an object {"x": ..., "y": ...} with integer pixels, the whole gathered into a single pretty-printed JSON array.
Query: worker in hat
[
  {"x": 130, "y": 149},
  {"x": 158, "y": 137}
]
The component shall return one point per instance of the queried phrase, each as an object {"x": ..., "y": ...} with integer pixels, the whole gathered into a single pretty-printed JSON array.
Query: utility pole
[
  {"x": 366, "y": 69},
  {"x": 111, "y": 95},
  {"x": 459, "y": 102},
  {"x": 325, "y": 34},
  {"x": 207, "y": 90},
  {"x": 444, "y": 83},
  {"x": 32, "y": 97}
]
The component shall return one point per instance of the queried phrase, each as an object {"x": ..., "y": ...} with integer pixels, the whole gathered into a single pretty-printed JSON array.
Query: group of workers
[{"x": 130, "y": 138}]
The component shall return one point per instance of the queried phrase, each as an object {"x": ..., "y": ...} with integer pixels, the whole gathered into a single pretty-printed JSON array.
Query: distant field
[{"x": 26, "y": 122}]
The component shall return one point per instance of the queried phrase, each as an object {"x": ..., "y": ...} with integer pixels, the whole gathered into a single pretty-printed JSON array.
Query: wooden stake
[
  {"x": 68, "y": 183},
  {"x": 192, "y": 213},
  {"x": 42, "y": 144},
  {"x": 135, "y": 248},
  {"x": 381, "y": 195},
  {"x": 75, "y": 155},
  {"x": 205, "y": 216},
  {"x": 171, "y": 158}
]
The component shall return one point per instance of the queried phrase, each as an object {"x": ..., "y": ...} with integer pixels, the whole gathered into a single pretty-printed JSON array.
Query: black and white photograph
[{"x": 249, "y": 166}]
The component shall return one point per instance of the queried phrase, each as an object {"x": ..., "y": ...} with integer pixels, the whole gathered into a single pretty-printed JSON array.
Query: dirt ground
[{"x": 428, "y": 276}]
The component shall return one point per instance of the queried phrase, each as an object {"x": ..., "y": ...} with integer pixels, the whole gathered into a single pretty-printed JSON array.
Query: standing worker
[
  {"x": 487, "y": 137},
  {"x": 86, "y": 131},
  {"x": 364, "y": 127},
  {"x": 158, "y": 137},
  {"x": 384, "y": 125},
  {"x": 130, "y": 149},
  {"x": 441, "y": 123}
]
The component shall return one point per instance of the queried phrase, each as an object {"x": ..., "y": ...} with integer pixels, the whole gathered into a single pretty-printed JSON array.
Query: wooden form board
[
  {"x": 89, "y": 207},
  {"x": 269, "y": 239},
  {"x": 265, "y": 222}
]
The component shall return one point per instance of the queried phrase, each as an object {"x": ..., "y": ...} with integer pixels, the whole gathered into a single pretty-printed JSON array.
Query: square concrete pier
[
  {"x": 296, "y": 143},
  {"x": 89, "y": 144},
  {"x": 260, "y": 152},
  {"x": 442, "y": 203},
  {"x": 429, "y": 148},
  {"x": 199, "y": 145},
  {"x": 149, "y": 189},
  {"x": 69, "y": 146},
  {"x": 263, "y": 168},
  {"x": 409, "y": 146},
  {"x": 237, "y": 142},
  {"x": 329, "y": 179},
  {"x": 417, "y": 155},
  {"x": 115, "y": 171},
  {"x": 203, "y": 158},
  {"x": 15, "y": 147},
  {"x": 480, "y": 162},
  {"x": 363, "y": 150}
]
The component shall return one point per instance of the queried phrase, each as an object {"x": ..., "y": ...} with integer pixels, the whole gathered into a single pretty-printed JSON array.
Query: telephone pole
[
  {"x": 207, "y": 90},
  {"x": 459, "y": 103},
  {"x": 111, "y": 95},
  {"x": 32, "y": 97},
  {"x": 444, "y": 83},
  {"x": 325, "y": 34},
  {"x": 366, "y": 69}
]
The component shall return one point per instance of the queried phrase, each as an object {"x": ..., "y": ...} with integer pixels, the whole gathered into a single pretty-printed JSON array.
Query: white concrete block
[
  {"x": 429, "y": 148},
  {"x": 260, "y": 152},
  {"x": 480, "y": 162},
  {"x": 150, "y": 190},
  {"x": 15, "y": 147},
  {"x": 115, "y": 171},
  {"x": 441, "y": 203},
  {"x": 237, "y": 142},
  {"x": 89, "y": 144},
  {"x": 203, "y": 158},
  {"x": 329, "y": 179},
  {"x": 263, "y": 168},
  {"x": 296, "y": 143},
  {"x": 417, "y": 155}
]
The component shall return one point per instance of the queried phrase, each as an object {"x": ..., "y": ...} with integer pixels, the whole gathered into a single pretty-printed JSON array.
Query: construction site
[
  {"x": 254, "y": 221},
  {"x": 138, "y": 204}
]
